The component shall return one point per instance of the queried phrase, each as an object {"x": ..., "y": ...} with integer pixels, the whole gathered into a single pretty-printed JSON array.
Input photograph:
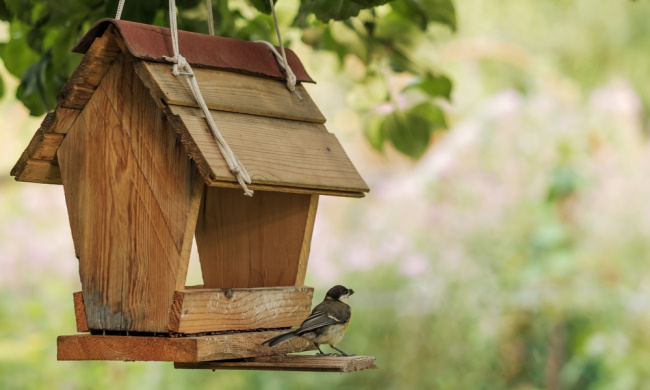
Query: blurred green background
[{"x": 514, "y": 254}]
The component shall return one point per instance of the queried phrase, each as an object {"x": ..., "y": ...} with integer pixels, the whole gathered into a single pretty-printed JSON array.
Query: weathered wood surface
[
  {"x": 341, "y": 364},
  {"x": 39, "y": 171},
  {"x": 276, "y": 152},
  {"x": 132, "y": 195},
  {"x": 235, "y": 92},
  {"x": 80, "y": 312},
  {"x": 63, "y": 119},
  {"x": 251, "y": 242},
  {"x": 73, "y": 97},
  {"x": 90, "y": 72},
  {"x": 48, "y": 147},
  {"x": 177, "y": 349},
  {"x": 306, "y": 242},
  {"x": 206, "y": 310}
]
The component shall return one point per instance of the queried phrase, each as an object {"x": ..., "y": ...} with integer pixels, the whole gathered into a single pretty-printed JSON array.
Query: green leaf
[
  {"x": 259, "y": 28},
  {"x": 5, "y": 14},
  {"x": 36, "y": 90},
  {"x": 424, "y": 11},
  {"x": 2, "y": 87},
  {"x": 412, "y": 10},
  {"x": 374, "y": 132},
  {"x": 326, "y": 10},
  {"x": 441, "y": 11},
  {"x": 16, "y": 54},
  {"x": 263, "y": 6},
  {"x": 431, "y": 113},
  {"x": 434, "y": 86},
  {"x": 409, "y": 133},
  {"x": 141, "y": 11},
  {"x": 371, "y": 3}
]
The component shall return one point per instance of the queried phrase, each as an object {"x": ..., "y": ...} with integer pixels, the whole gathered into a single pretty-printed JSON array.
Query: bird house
[{"x": 143, "y": 176}]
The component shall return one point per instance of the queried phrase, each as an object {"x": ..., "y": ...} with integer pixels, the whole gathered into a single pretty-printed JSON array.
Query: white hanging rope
[
  {"x": 282, "y": 58},
  {"x": 208, "y": 8},
  {"x": 181, "y": 67},
  {"x": 120, "y": 7}
]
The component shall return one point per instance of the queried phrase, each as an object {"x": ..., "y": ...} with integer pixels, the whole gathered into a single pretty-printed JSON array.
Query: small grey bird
[{"x": 326, "y": 324}]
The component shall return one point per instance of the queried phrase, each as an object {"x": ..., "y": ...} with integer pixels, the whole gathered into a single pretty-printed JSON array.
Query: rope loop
[{"x": 182, "y": 68}]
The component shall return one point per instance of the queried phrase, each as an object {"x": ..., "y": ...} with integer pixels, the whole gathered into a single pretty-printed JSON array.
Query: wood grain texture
[
  {"x": 177, "y": 349},
  {"x": 235, "y": 92},
  {"x": 43, "y": 147},
  {"x": 48, "y": 147},
  {"x": 276, "y": 152},
  {"x": 293, "y": 190},
  {"x": 190, "y": 228},
  {"x": 130, "y": 189},
  {"x": 210, "y": 310},
  {"x": 250, "y": 242},
  {"x": 341, "y": 364},
  {"x": 306, "y": 242},
  {"x": 80, "y": 312},
  {"x": 63, "y": 119},
  {"x": 88, "y": 75},
  {"x": 40, "y": 171}
]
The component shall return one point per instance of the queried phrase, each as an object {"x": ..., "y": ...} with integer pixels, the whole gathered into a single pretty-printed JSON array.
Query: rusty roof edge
[{"x": 153, "y": 42}]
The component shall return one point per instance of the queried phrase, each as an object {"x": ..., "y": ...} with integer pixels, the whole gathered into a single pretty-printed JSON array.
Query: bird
[{"x": 326, "y": 324}]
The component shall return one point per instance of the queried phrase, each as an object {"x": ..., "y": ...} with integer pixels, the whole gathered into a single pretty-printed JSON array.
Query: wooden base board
[
  {"x": 290, "y": 363},
  {"x": 174, "y": 349}
]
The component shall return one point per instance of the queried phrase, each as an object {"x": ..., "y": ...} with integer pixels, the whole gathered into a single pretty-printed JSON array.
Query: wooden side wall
[
  {"x": 261, "y": 241},
  {"x": 133, "y": 199}
]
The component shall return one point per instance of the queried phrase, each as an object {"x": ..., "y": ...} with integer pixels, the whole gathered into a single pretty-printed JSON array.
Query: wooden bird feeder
[{"x": 143, "y": 176}]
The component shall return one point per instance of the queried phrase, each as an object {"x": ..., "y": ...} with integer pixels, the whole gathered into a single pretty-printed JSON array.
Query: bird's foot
[{"x": 324, "y": 354}]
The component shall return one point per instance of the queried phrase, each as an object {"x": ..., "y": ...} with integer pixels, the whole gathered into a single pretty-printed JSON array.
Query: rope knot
[{"x": 180, "y": 63}]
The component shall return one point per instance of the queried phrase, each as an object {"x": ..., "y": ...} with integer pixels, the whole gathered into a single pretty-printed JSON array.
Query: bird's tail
[{"x": 278, "y": 339}]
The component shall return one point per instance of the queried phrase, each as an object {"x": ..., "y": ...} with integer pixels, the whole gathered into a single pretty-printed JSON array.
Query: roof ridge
[{"x": 151, "y": 43}]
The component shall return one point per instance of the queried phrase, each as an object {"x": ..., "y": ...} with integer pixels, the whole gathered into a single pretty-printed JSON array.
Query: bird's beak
[{"x": 350, "y": 291}]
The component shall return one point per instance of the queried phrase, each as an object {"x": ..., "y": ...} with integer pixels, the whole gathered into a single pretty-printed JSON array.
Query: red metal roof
[{"x": 152, "y": 43}]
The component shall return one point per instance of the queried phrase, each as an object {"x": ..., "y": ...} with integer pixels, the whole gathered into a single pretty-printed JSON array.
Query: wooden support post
[
  {"x": 290, "y": 363},
  {"x": 80, "y": 312}
]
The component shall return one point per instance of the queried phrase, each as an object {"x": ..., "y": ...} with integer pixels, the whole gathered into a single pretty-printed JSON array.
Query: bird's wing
[{"x": 319, "y": 318}]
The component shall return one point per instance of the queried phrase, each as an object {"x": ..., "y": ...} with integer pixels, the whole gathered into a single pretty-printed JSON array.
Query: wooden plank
[
  {"x": 209, "y": 310},
  {"x": 289, "y": 363},
  {"x": 43, "y": 146},
  {"x": 250, "y": 241},
  {"x": 190, "y": 228},
  {"x": 174, "y": 349},
  {"x": 64, "y": 119},
  {"x": 235, "y": 92},
  {"x": 88, "y": 75},
  {"x": 293, "y": 190},
  {"x": 126, "y": 348},
  {"x": 306, "y": 243},
  {"x": 40, "y": 171},
  {"x": 276, "y": 152},
  {"x": 47, "y": 148},
  {"x": 130, "y": 192},
  {"x": 37, "y": 138},
  {"x": 80, "y": 312}
]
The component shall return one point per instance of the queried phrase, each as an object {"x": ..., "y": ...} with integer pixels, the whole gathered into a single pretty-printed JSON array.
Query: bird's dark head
[{"x": 339, "y": 293}]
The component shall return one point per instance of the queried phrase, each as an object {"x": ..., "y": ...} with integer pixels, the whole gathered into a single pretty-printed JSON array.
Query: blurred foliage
[
  {"x": 511, "y": 255},
  {"x": 42, "y": 32}
]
